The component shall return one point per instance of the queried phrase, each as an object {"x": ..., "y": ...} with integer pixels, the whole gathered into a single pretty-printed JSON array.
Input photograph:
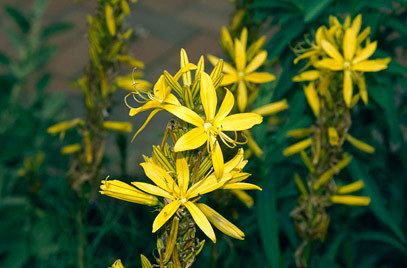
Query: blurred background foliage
[
  {"x": 358, "y": 237},
  {"x": 38, "y": 208}
]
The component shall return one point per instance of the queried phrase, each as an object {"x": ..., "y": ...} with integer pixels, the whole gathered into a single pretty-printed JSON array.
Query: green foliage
[
  {"x": 39, "y": 210},
  {"x": 355, "y": 233}
]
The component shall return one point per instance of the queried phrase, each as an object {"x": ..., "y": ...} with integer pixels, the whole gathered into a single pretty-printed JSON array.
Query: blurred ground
[{"x": 163, "y": 28}]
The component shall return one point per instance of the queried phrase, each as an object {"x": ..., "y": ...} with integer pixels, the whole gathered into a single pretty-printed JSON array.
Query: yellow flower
[
  {"x": 214, "y": 125},
  {"x": 244, "y": 72},
  {"x": 179, "y": 190},
  {"x": 117, "y": 264},
  {"x": 156, "y": 100},
  {"x": 351, "y": 61},
  {"x": 315, "y": 50}
]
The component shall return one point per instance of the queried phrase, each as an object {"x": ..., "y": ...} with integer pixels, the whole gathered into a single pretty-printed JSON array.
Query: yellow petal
[
  {"x": 226, "y": 40},
  {"x": 182, "y": 174},
  {"x": 145, "y": 263},
  {"x": 306, "y": 76},
  {"x": 118, "y": 126},
  {"x": 125, "y": 7},
  {"x": 165, "y": 214},
  {"x": 118, "y": 263},
  {"x": 123, "y": 191},
  {"x": 110, "y": 21},
  {"x": 243, "y": 37},
  {"x": 227, "y": 68},
  {"x": 300, "y": 132},
  {"x": 161, "y": 89},
  {"x": 360, "y": 144},
  {"x": 220, "y": 222},
  {"x": 241, "y": 121},
  {"x": 147, "y": 106},
  {"x": 356, "y": 24},
  {"x": 328, "y": 174},
  {"x": 241, "y": 186},
  {"x": 209, "y": 184},
  {"x": 235, "y": 161},
  {"x": 208, "y": 96},
  {"x": 135, "y": 85},
  {"x": 347, "y": 87},
  {"x": 187, "y": 68},
  {"x": 360, "y": 80},
  {"x": 225, "y": 108},
  {"x": 312, "y": 98},
  {"x": 259, "y": 77},
  {"x": 330, "y": 64},
  {"x": 171, "y": 99},
  {"x": 71, "y": 148},
  {"x": 365, "y": 53},
  {"x": 349, "y": 44},
  {"x": 256, "y": 62},
  {"x": 240, "y": 56},
  {"x": 152, "y": 189},
  {"x": 193, "y": 139},
  {"x": 271, "y": 108},
  {"x": 331, "y": 51},
  {"x": 160, "y": 177},
  {"x": 200, "y": 66},
  {"x": 333, "y": 136},
  {"x": 371, "y": 65},
  {"x": 186, "y": 77},
  {"x": 228, "y": 79},
  {"x": 217, "y": 159},
  {"x": 297, "y": 147},
  {"x": 255, "y": 46},
  {"x": 350, "y": 200},
  {"x": 185, "y": 114},
  {"x": 351, "y": 187},
  {"x": 201, "y": 220},
  {"x": 363, "y": 35},
  {"x": 241, "y": 96},
  {"x": 305, "y": 55},
  {"x": 64, "y": 126}
]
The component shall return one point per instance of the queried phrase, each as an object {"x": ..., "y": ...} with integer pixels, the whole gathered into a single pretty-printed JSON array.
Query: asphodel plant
[
  {"x": 108, "y": 51},
  {"x": 336, "y": 59},
  {"x": 190, "y": 163},
  {"x": 244, "y": 77}
]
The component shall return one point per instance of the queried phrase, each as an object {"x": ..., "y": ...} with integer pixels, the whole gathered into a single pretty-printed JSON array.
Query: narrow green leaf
[{"x": 268, "y": 224}]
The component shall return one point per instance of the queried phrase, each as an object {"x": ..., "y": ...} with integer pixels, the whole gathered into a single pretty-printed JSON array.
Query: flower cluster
[
  {"x": 243, "y": 77},
  {"x": 108, "y": 38},
  {"x": 341, "y": 51},
  {"x": 336, "y": 59},
  {"x": 190, "y": 161}
]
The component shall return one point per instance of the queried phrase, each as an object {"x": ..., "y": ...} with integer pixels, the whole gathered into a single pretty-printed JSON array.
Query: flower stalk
[
  {"x": 338, "y": 57},
  {"x": 190, "y": 163}
]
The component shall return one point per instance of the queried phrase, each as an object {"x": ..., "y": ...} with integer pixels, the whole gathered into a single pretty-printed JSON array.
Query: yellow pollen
[
  {"x": 346, "y": 65},
  {"x": 240, "y": 74},
  {"x": 207, "y": 125}
]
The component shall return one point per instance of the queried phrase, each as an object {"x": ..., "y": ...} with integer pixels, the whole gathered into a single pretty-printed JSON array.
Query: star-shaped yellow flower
[
  {"x": 157, "y": 99},
  {"x": 178, "y": 191},
  {"x": 244, "y": 72},
  {"x": 214, "y": 124},
  {"x": 351, "y": 62}
]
